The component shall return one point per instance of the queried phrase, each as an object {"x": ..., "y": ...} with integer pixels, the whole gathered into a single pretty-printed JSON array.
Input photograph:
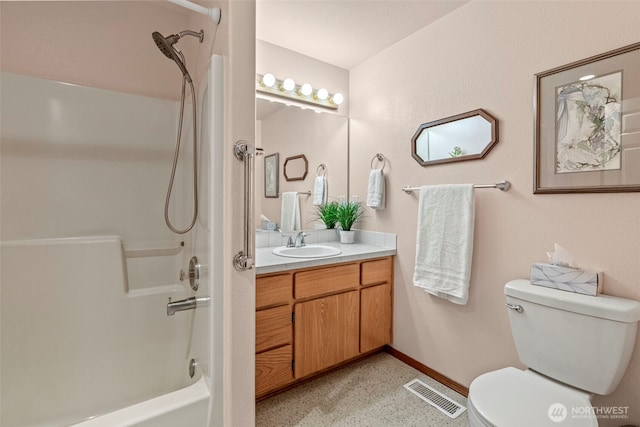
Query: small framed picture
[
  {"x": 271, "y": 175},
  {"x": 587, "y": 125}
]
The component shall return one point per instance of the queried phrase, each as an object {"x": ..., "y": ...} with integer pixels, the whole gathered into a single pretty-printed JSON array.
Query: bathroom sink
[{"x": 309, "y": 251}]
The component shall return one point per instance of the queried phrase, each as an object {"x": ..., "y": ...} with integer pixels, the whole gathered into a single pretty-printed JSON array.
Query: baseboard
[{"x": 428, "y": 371}]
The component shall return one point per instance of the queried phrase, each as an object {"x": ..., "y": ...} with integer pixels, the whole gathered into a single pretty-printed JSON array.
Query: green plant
[
  {"x": 349, "y": 213},
  {"x": 327, "y": 213},
  {"x": 457, "y": 152}
]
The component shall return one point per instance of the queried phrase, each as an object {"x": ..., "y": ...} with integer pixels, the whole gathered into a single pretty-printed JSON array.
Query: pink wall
[{"x": 484, "y": 55}]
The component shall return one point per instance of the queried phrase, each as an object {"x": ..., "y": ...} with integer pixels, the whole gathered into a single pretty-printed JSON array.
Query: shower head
[{"x": 165, "y": 44}]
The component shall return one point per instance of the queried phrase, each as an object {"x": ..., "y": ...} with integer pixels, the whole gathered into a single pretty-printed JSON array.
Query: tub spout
[{"x": 186, "y": 304}]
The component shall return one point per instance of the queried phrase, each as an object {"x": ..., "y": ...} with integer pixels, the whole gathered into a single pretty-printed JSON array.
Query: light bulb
[
  {"x": 337, "y": 99},
  {"x": 305, "y": 90},
  {"x": 268, "y": 80},
  {"x": 288, "y": 85},
  {"x": 587, "y": 77},
  {"x": 322, "y": 94}
]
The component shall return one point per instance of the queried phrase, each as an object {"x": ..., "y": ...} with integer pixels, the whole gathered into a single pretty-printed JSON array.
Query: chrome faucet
[
  {"x": 300, "y": 239},
  {"x": 186, "y": 304}
]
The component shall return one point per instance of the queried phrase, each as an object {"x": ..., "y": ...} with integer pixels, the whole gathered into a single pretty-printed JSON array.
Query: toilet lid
[{"x": 510, "y": 397}]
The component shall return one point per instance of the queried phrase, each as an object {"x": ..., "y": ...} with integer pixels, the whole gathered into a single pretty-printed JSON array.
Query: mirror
[
  {"x": 466, "y": 136},
  {"x": 290, "y": 131},
  {"x": 296, "y": 168}
]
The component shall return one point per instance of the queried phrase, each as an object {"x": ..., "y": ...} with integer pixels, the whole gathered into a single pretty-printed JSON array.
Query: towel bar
[{"x": 502, "y": 185}]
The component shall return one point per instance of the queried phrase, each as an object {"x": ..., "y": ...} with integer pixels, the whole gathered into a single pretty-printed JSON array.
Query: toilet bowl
[
  {"x": 553, "y": 331},
  {"x": 512, "y": 397}
]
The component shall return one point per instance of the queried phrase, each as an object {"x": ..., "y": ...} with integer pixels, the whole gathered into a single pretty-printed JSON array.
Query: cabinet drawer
[
  {"x": 378, "y": 271},
  {"x": 273, "y": 328},
  {"x": 273, "y": 290},
  {"x": 326, "y": 280},
  {"x": 273, "y": 369}
]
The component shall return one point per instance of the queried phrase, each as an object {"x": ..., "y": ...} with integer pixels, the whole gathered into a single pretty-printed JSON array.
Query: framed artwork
[
  {"x": 587, "y": 125},
  {"x": 271, "y": 175}
]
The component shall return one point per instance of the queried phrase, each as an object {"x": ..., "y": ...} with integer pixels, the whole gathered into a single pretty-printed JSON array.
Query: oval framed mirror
[
  {"x": 296, "y": 168},
  {"x": 466, "y": 136}
]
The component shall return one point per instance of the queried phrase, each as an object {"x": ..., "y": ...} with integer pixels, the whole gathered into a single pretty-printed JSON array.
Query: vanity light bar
[{"x": 299, "y": 95}]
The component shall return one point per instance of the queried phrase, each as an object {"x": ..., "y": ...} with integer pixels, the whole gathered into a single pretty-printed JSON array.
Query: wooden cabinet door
[
  {"x": 273, "y": 369},
  {"x": 326, "y": 332},
  {"x": 375, "y": 317}
]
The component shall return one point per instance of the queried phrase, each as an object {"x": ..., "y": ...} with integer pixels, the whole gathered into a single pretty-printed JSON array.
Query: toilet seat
[{"x": 511, "y": 397}]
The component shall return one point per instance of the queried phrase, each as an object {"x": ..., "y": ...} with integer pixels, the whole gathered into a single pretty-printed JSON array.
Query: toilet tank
[{"x": 581, "y": 340}]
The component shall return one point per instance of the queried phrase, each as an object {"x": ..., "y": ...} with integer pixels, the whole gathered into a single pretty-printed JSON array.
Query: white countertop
[{"x": 267, "y": 262}]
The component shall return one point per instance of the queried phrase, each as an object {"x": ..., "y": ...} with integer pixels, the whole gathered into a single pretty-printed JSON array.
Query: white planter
[{"x": 347, "y": 236}]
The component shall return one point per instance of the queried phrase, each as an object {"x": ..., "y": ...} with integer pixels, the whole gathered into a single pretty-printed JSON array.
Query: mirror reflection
[
  {"x": 292, "y": 131},
  {"x": 296, "y": 168},
  {"x": 465, "y": 136}
]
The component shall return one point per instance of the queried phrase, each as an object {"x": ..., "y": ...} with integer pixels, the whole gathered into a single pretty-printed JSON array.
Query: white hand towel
[
  {"x": 290, "y": 212},
  {"x": 375, "y": 190},
  {"x": 320, "y": 191},
  {"x": 444, "y": 241}
]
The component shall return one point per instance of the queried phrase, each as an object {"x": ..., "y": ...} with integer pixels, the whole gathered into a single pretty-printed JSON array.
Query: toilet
[{"x": 574, "y": 346}]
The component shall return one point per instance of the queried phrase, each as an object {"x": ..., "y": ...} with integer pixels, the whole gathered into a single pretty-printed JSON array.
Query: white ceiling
[{"x": 344, "y": 32}]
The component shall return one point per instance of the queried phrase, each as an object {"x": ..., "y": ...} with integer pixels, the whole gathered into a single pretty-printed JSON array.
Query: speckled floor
[{"x": 369, "y": 393}]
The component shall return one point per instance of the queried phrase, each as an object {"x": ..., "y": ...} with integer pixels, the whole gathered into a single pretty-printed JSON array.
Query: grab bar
[{"x": 246, "y": 152}]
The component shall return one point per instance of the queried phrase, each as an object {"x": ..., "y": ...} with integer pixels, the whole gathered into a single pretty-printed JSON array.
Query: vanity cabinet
[
  {"x": 274, "y": 329},
  {"x": 309, "y": 320}
]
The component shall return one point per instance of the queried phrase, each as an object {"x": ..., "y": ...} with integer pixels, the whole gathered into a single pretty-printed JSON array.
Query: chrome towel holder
[
  {"x": 502, "y": 186},
  {"x": 380, "y": 157}
]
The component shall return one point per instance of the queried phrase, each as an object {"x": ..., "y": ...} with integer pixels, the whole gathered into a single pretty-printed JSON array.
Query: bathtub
[
  {"x": 185, "y": 408},
  {"x": 81, "y": 344}
]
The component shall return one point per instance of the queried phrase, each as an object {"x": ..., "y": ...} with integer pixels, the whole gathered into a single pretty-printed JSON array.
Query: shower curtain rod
[{"x": 213, "y": 13}]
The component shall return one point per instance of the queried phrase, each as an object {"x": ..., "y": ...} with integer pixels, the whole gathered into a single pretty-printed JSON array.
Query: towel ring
[
  {"x": 380, "y": 158},
  {"x": 322, "y": 168}
]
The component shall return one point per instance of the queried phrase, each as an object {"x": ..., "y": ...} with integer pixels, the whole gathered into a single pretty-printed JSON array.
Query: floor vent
[{"x": 434, "y": 398}]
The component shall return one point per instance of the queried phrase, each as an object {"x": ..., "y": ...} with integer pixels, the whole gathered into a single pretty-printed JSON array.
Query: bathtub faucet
[{"x": 186, "y": 304}]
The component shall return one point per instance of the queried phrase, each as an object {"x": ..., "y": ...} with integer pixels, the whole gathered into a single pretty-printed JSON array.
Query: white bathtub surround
[
  {"x": 444, "y": 241},
  {"x": 73, "y": 323}
]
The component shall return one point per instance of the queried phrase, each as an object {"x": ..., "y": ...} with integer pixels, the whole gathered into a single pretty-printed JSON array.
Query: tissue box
[{"x": 566, "y": 278}]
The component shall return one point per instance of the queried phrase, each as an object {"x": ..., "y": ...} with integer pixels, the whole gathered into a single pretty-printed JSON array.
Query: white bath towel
[
  {"x": 444, "y": 241},
  {"x": 290, "y": 212},
  {"x": 375, "y": 190},
  {"x": 320, "y": 191}
]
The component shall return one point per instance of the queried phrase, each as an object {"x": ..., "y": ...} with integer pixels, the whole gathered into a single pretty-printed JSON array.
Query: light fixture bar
[
  {"x": 294, "y": 103},
  {"x": 294, "y": 96}
]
